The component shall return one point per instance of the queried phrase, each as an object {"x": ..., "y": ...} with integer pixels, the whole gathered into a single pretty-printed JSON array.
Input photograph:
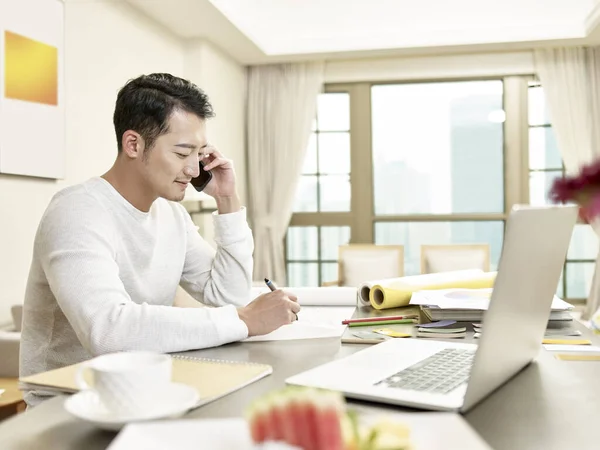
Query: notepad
[
  {"x": 212, "y": 378},
  {"x": 314, "y": 322}
]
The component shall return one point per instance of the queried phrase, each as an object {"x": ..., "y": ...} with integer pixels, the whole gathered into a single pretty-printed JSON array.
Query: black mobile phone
[{"x": 202, "y": 180}]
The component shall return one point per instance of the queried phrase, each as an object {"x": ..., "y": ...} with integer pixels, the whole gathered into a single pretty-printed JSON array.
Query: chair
[
  {"x": 11, "y": 401},
  {"x": 358, "y": 263},
  {"x": 446, "y": 258},
  {"x": 10, "y": 343}
]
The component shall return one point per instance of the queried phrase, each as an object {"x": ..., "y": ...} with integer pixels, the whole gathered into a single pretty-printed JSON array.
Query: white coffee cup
[{"x": 127, "y": 383}]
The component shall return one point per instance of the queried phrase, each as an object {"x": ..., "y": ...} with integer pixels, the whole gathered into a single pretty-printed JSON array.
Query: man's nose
[{"x": 192, "y": 170}]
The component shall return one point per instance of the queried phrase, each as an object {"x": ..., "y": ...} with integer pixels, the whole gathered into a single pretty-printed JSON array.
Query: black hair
[{"x": 145, "y": 104}]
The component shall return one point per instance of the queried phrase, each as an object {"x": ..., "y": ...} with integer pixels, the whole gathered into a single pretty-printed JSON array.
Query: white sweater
[{"x": 104, "y": 276}]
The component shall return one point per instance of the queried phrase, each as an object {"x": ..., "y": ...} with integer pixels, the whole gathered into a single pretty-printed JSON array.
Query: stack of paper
[{"x": 469, "y": 305}]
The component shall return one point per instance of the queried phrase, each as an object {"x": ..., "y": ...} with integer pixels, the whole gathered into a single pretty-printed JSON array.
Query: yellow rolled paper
[{"x": 399, "y": 293}]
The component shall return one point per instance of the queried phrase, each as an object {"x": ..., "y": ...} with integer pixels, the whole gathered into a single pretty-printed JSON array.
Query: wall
[
  {"x": 429, "y": 67},
  {"x": 106, "y": 43},
  {"x": 224, "y": 81}
]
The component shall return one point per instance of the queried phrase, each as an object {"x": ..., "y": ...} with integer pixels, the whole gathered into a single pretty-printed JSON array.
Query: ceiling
[{"x": 260, "y": 31}]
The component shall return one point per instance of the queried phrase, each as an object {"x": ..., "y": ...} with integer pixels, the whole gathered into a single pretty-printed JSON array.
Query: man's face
[{"x": 172, "y": 162}]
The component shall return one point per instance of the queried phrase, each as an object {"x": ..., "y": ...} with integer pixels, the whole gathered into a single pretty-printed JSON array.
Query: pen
[
  {"x": 270, "y": 284},
  {"x": 381, "y": 322},
  {"x": 378, "y": 319}
]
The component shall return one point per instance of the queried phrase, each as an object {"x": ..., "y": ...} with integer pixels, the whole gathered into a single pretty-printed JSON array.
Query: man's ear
[{"x": 133, "y": 144}]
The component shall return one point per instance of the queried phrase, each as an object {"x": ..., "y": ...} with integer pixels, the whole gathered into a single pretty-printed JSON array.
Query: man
[{"x": 109, "y": 253}]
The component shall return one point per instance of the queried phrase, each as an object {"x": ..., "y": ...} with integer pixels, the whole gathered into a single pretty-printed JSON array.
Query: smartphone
[{"x": 202, "y": 180}]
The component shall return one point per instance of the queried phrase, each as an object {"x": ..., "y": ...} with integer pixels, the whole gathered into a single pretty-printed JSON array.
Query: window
[
  {"x": 426, "y": 163},
  {"x": 324, "y": 188},
  {"x": 312, "y": 254},
  {"x": 438, "y": 165},
  {"x": 545, "y": 165},
  {"x": 545, "y": 162},
  {"x": 325, "y": 182},
  {"x": 437, "y": 149}
]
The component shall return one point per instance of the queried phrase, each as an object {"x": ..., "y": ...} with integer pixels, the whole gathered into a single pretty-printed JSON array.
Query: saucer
[{"x": 172, "y": 401}]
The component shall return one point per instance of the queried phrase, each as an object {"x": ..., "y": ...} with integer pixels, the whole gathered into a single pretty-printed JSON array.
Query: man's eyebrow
[{"x": 190, "y": 146}]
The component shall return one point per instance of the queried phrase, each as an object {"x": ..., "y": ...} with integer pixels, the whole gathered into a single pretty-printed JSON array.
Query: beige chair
[
  {"x": 445, "y": 258},
  {"x": 10, "y": 343},
  {"x": 358, "y": 263}
]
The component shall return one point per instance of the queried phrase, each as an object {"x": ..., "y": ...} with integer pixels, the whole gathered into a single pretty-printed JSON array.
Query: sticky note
[
  {"x": 567, "y": 341},
  {"x": 392, "y": 333}
]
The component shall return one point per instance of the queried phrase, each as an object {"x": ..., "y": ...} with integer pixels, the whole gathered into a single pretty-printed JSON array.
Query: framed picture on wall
[{"x": 32, "y": 109}]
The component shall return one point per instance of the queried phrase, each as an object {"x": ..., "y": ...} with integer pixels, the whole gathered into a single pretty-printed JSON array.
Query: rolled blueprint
[
  {"x": 396, "y": 292},
  {"x": 317, "y": 296}
]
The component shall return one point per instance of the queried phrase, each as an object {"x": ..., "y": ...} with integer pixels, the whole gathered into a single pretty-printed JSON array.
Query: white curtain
[
  {"x": 571, "y": 81},
  {"x": 282, "y": 102}
]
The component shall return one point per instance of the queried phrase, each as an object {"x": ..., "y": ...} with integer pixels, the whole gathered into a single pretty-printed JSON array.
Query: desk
[
  {"x": 11, "y": 401},
  {"x": 551, "y": 404}
]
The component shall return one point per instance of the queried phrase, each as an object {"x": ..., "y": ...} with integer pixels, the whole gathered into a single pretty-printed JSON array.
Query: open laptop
[{"x": 449, "y": 376}]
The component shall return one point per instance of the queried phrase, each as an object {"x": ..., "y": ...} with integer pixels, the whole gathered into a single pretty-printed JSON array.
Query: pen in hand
[{"x": 272, "y": 286}]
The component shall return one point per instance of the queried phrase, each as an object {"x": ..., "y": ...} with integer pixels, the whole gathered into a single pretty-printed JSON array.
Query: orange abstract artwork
[{"x": 30, "y": 70}]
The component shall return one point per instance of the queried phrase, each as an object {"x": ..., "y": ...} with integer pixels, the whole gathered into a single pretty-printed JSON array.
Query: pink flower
[{"x": 583, "y": 189}]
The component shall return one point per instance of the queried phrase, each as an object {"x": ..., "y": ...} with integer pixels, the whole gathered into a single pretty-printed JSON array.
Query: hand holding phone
[{"x": 202, "y": 180}]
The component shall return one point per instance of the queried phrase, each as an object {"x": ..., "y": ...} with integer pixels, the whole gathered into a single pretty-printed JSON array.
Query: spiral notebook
[{"x": 212, "y": 378}]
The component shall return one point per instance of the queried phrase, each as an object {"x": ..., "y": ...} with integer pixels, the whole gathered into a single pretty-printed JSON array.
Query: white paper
[
  {"x": 572, "y": 348},
  {"x": 317, "y": 296},
  {"x": 478, "y": 299},
  {"x": 1, "y": 392},
  {"x": 451, "y": 431},
  {"x": 213, "y": 434},
  {"x": 314, "y": 322}
]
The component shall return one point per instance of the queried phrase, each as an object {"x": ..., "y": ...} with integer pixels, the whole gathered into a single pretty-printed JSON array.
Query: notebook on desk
[{"x": 212, "y": 378}]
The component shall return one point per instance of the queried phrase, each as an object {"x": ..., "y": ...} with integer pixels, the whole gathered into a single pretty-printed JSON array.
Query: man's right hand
[{"x": 269, "y": 311}]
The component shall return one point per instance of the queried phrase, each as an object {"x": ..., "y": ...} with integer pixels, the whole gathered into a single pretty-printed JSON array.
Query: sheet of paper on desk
[
  {"x": 467, "y": 299},
  {"x": 213, "y": 434},
  {"x": 451, "y": 431},
  {"x": 572, "y": 348},
  {"x": 313, "y": 322},
  {"x": 317, "y": 296}
]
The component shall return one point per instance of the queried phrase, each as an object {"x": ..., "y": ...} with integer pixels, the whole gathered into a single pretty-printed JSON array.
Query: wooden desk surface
[
  {"x": 551, "y": 404},
  {"x": 12, "y": 395}
]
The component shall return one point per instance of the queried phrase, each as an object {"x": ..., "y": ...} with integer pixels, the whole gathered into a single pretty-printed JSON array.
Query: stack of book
[{"x": 446, "y": 329}]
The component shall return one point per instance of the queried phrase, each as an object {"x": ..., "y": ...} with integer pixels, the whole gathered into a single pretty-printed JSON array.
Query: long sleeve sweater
[{"x": 104, "y": 275}]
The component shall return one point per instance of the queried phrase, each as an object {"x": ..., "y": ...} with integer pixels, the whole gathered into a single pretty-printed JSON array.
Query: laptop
[{"x": 449, "y": 376}]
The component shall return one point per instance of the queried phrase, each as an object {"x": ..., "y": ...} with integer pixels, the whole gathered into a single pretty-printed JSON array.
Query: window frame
[{"x": 533, "y": 82}]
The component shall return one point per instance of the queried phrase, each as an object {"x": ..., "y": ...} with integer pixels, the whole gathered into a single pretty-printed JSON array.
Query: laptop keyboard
[{"x": 440, "y": 373}]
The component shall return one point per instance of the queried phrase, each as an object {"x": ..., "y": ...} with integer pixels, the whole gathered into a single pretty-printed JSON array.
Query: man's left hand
[{"x": 222, "y": 186}]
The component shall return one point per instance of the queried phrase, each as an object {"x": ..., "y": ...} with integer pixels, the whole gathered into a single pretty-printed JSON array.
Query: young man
[{"x": 109, "y": 253}]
